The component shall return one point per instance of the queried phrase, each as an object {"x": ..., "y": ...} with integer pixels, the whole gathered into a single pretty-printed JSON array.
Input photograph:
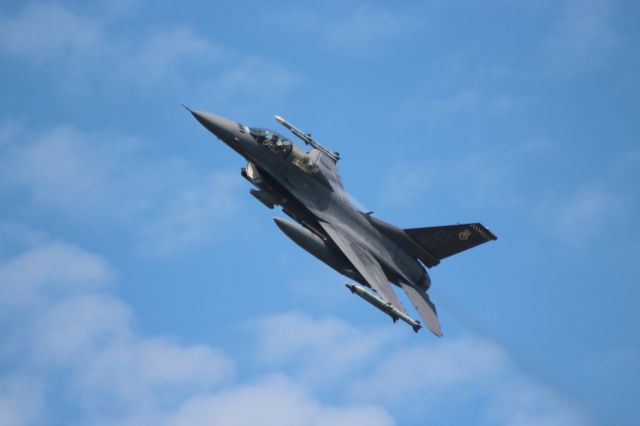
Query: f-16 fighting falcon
[{"x": 364, "y": 248}]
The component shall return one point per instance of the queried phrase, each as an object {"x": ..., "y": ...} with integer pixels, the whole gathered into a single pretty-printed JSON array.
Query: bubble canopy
[
  {"x": 272, "y": 140},
  {"x": 283, "y": 147}
]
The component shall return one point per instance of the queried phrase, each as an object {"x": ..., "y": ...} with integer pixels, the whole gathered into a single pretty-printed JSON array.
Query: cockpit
[
  {"x": 284, "y": 148},
  {"x": 272, "y": 140}
]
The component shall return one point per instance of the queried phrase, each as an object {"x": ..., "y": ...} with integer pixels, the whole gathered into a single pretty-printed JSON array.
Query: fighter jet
[{"x": 371, "y": 252}]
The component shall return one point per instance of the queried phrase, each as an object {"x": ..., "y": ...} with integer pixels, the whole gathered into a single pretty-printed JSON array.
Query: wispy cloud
[
  {"x": 64, "y": 169},
  {"x": 573, "y": 210},
  {"x": 89, "y": 50},
  {"x": 112, "y": 178},
  {"x": 42, "y": 32},
  {"x": 255, "y": 78},
  {"x": 165, "y": 55}
]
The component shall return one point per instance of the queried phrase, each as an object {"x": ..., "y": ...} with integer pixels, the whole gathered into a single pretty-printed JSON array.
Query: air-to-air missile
[
  {"x": 306, "y": 138},
  {"x": 387, "y": 308}
]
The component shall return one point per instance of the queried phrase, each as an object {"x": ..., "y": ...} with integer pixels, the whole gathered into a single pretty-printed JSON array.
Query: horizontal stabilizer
[
  {"x": 425, "y": 308},
  {"x": 445, "y": 241}
]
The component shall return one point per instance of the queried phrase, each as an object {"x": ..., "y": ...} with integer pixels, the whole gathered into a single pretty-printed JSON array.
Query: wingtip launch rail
[{"x": 306, "y": 138}]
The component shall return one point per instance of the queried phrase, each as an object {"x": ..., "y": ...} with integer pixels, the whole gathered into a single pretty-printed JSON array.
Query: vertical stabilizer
[{"x": 445, "y": 241}]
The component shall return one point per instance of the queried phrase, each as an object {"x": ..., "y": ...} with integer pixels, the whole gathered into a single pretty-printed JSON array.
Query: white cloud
[
  {"x": 82, "y": 342},
  {"x": 82, "y": 45},
  {"x": 113, "y": 179},
  {"x": 47, "y": 270},
  {"x": 409, "y": 375},
  {"x": 196, "y": 212},
  {"x": 162, "y": 55},
  {"x": 112, "y": 371},
  {"x": 63, "y": 168},
  {"x": 452, "y": 364},
  {"x": 16, "y": 236},
  {"x": 44, "y": 31},
  {"x": 458, "y": 372},
  {"x": 309, "y": 347},
  {"x": 68, "y": 331},
  {"x": 83, "y": 49},
  {"x": 273, "y": 401},
  {"x": 534, "y": 406},
  {"x": 21, "y": 402}
]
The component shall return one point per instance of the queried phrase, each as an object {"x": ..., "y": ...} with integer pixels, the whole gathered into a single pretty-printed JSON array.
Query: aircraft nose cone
[{"x": 219, "y": 126}]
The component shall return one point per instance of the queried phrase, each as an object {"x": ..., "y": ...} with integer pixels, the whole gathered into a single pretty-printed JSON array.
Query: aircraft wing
[{"x": 366, "y": 264}]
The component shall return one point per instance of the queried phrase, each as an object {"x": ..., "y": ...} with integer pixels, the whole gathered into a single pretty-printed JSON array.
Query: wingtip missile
[
  {"x": 306, "y": 138},
  {"x": 387, "y": 308}
]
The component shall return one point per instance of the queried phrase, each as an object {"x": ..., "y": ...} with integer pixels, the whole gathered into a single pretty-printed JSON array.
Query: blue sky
[{"x": 141, "y": 284}]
